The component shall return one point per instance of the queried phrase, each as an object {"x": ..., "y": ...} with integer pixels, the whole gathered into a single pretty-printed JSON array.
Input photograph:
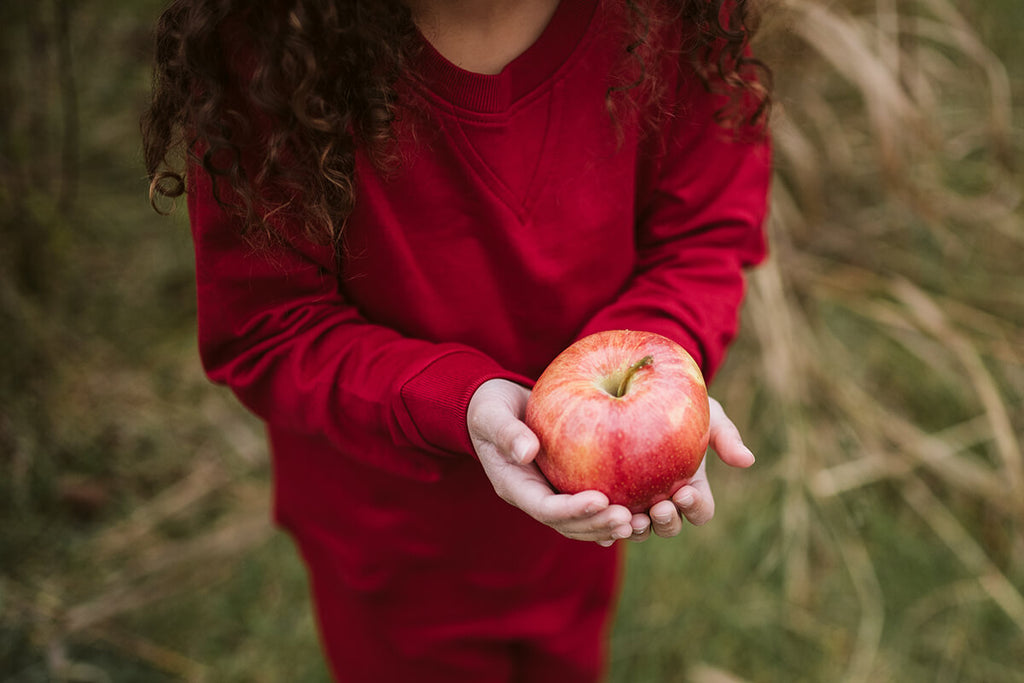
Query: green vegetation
[{"x": 879, "y": 377}]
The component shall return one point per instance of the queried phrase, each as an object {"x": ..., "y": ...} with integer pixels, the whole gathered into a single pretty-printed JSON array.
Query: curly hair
[{"x": 288, "y": 136}]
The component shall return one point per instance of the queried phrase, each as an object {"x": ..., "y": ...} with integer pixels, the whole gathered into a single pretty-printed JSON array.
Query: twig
[
  {"x": 205, "y": 477},
  {"x": 971, "y": 555},
  {"x": 156, "y": 578},
  {"x": 145, "y": 650},
  {"x": 69, "y": 104},
  {"x": 938, "y": 452},
  {"x": 706, "y": 673},
  {"x": 871, "y": 600},
  {"x": 931, "y": 318}
]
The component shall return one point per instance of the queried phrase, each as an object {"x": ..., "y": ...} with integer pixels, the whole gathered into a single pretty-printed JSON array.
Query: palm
[{"x": 506, "y": 449}]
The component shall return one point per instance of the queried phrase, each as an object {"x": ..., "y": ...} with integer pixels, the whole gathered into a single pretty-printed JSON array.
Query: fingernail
[
  {"x": 519, "y": 448},
  {"x": 751, "y": 454},
  {"x": 686, "y": 499},
  {"x": 664, "y": 519}
]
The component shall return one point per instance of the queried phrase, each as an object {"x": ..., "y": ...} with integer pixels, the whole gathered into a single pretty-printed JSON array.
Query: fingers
[
  {"x": 506, "y": 448},
  {"x": 726, "y": 439},
  {"x": 642, "y": 526},
  {"x": 565, "y": 509},
  {"x": 665, "y": 519},
  {"x": 585, "y": 516},
  {"x": 695, "y": 502},
  {"x": 587, "y": 522}
]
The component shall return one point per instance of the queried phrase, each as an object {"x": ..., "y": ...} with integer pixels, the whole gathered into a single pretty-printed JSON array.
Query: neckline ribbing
[{"x": 495, "y": 93}]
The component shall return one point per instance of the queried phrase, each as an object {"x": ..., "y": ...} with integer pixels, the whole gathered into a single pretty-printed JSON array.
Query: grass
[{"x": 879, "y": 377}]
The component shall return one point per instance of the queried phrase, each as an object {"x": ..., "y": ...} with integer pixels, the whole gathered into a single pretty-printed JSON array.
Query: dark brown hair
[{"x": 246, "y": 90}]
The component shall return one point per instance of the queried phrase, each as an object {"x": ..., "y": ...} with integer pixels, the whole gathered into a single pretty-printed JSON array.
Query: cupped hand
[
  {"x": 694, "y": 501},
  {"x": 506, "y": 448}
]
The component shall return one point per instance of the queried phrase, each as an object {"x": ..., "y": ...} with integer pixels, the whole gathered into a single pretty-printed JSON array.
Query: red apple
[{"x": 622, "y": 412}]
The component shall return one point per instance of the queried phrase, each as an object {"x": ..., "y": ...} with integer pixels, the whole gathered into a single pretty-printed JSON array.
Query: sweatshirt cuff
[{"x": 433, "y": 405}]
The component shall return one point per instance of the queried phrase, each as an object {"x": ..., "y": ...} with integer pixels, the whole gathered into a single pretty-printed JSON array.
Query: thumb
[
  {"x": 726, "y": 439},
  {"x": 516, "y": 441},
  {"x": 493, "y": 419}
]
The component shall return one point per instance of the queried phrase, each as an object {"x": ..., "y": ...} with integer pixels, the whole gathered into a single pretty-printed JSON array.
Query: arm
[
  {"x": 699, "y": 228},
  {"x": 701, "y": 207},
  {"x": 275, "y": 329},
  {"x": 700, "y": 224}
]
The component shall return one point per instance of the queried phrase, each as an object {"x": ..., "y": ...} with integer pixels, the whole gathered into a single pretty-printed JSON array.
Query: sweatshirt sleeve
[
  {"x": 702, "y": 203},
  {"x": 274, "y": 328}
]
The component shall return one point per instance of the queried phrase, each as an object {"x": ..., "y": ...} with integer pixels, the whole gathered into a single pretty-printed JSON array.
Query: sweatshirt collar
[{"x": 494, "y": 93}]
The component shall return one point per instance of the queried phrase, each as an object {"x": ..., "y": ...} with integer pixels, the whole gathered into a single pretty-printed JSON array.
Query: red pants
[
  {"x": 438, "y": 627},
  {"x": 417, "y": 583}
]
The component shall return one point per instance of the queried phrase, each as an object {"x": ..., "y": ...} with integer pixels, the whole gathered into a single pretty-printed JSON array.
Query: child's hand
[
  {"x": 694, "y": 502},
  {"x": 506, "y": 448}
]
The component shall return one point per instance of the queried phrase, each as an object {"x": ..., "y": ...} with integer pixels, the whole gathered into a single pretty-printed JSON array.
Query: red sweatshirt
[{"x": 517, "y": 223}]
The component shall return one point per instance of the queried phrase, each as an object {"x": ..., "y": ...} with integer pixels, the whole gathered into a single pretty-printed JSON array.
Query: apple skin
[{"x": 638, "y": 449}]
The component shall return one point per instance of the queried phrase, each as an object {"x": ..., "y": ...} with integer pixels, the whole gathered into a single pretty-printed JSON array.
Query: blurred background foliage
[{"x": 879, "y": 377}]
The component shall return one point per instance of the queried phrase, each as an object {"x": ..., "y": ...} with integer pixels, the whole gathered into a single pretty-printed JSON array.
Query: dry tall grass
[{"x": 886, "y": 333}]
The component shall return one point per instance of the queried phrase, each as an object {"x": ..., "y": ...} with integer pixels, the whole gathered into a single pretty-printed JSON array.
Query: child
[{"x": 401, "y": 213}]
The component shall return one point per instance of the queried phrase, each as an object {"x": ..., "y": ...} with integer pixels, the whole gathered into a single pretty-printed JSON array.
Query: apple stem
[{"x": 633, "y": 369}]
